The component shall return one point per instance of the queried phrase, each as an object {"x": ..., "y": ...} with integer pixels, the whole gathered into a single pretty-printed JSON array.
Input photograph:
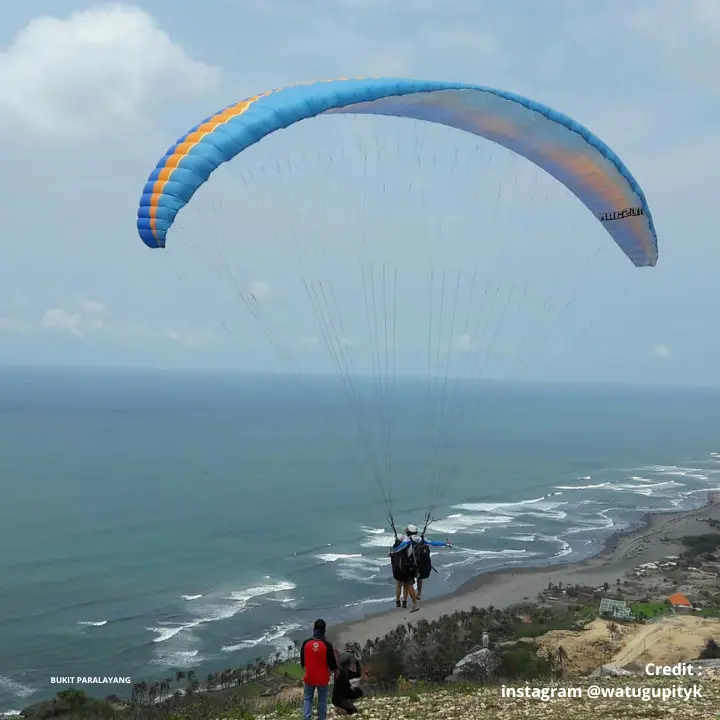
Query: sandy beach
[{"x": 659, "y": 535}]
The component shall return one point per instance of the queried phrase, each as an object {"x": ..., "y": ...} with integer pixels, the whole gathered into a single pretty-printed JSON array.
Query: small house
[{"x": 679, "y": 603}]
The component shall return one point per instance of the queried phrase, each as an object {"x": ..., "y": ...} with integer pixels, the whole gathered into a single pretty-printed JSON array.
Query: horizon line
[{"x": 285, "y": 375}]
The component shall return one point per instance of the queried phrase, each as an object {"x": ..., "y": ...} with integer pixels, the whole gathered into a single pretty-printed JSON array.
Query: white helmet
[{"x": 411, "y": 530}]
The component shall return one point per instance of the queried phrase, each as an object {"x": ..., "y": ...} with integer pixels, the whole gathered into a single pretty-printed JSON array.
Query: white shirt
[{"x": 414, "y": 539}]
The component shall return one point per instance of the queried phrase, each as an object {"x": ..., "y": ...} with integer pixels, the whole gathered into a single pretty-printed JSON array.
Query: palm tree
[{"x": 142, "y": 688}]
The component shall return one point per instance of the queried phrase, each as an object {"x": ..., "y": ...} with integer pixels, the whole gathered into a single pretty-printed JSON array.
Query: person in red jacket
[{"x": 317, "y": 657}]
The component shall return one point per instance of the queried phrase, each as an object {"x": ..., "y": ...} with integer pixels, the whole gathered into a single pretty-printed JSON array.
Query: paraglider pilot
[{"x": 410, "y": 560}]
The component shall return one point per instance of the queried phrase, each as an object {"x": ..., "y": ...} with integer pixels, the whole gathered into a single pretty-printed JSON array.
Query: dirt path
[
  {"x": 666, "y": 642},
  {"x": 672, "y": 640}
]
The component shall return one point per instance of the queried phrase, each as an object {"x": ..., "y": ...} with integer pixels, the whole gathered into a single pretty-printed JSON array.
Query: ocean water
[{"x": 160, "y": 521}]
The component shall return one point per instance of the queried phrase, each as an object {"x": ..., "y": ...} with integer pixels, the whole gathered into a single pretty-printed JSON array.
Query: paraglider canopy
[
  {"x": 469, "y": 300},
  {"x": 551, "y": 140}
]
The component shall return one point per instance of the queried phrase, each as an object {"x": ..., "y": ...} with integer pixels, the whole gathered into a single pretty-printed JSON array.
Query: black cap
[{"x": 319, "y": 626}]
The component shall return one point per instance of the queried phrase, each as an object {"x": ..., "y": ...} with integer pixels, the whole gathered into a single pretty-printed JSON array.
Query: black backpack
[
  {"x": 423, "y": 561},
  {"x": 400, "y": 563}
]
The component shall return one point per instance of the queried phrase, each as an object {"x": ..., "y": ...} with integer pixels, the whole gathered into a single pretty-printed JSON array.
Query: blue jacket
[{"x": 406, "y": 543}]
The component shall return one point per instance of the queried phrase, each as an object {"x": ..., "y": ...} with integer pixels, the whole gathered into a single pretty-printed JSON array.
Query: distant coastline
[
  {"x": 657, "y": 535},
  {"x": 410, "y": 377}
]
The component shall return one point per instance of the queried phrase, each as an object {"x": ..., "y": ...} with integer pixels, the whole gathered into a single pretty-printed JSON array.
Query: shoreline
[{"x": 657, "y": 535}]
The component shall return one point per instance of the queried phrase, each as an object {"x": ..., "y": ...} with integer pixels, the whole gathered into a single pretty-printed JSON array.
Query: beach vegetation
[
  {"x": 709, "y": 612},
  {"x": 71, "y": 703},
  {"x": 429, "y": 651},
  {"x": 650, "y": 610},
  {"x": 701, "y": 544}
]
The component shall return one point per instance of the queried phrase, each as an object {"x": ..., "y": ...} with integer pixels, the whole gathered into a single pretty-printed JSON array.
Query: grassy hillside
[{"x": 487, "y": 703}]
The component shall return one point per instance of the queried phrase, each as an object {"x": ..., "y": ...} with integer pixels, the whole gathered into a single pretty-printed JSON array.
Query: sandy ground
[
  {"x": 675, "y": 639},
  {"x": 623, "y": 552}
]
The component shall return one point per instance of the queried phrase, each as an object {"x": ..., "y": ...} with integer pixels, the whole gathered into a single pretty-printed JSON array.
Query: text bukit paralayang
[{"x": 90, "y": 680}]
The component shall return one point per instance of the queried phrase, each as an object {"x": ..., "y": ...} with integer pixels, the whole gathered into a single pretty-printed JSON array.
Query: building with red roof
[{"x": 680, "y": 603}]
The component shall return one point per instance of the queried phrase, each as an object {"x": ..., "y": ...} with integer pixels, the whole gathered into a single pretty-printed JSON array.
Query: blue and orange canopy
[{"x": 554, "y": 142}]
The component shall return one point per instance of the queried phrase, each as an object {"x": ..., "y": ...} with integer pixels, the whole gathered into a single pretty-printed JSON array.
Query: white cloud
[
  {"x": 76, "y": 322},
  {"x": 191, "y": 338},
  {"x": 661, "y": 351},
  {"x": 260, "y": 289},
  {"x": 92, "y": 306},
  {"x": 464, "y": 342},
  {"x": 143, "y": 334},
  {"x": 59, "y": 319},
  {"x": 92, "y": 71}
]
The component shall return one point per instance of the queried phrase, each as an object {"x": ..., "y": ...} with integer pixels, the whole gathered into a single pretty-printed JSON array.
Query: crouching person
[{"x": 345, "y": 691}]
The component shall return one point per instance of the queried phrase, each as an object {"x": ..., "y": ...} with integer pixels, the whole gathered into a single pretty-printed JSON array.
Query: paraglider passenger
[
  {"x": 344, "y": 692},
  {"x": 401, "y": 570},
  {"x": 414, "y": 551},
  {"x": 400, "y": 589},
  {"x": 403, "y": 573},
  {"x": 317, "y": 657}
]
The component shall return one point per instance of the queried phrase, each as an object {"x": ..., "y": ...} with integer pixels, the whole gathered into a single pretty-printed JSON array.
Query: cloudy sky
[{"x": 91, "y": 95}]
